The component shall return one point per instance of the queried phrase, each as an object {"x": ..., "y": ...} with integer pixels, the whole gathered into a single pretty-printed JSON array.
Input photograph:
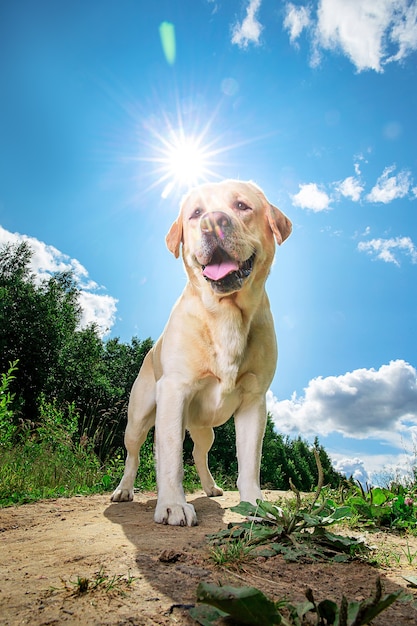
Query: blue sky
[{"x": 315, "y": 101}]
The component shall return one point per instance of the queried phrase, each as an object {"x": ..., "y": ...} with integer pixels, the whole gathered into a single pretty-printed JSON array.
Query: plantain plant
[
  {"x": 298, "y": 531},
  {"x": 248, "y": 605}
]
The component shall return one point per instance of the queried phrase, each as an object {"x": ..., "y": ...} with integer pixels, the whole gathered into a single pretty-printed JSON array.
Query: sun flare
[
  {"x": 183, "y": 152},
  {"x": 184, "y": 160}
]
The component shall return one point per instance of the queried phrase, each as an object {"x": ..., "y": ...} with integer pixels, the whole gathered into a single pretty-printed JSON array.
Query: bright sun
[
  {"x": 183, "y": 160},
  {"x": 185, "y": 155},
  {"x": 187, "y": 160},
  {"x": 182, "y": 157}
]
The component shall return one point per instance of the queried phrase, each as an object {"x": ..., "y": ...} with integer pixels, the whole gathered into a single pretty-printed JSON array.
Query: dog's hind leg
[
  {"x": 141, "y": 418},
  {"x": 203, "y": 440}
]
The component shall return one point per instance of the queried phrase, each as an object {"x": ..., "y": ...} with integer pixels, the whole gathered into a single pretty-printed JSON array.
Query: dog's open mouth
[{"x": 225, "y": 274}]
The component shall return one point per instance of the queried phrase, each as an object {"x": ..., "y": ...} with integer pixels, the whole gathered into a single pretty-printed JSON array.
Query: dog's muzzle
[
  {"x": 223, "y": 272},
  {"x": 231, "y": 280}
]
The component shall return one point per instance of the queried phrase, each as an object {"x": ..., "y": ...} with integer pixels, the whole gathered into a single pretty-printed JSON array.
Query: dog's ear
[
  {"x": 279, "y": 223},
  {"x": 174, "y": 237}
]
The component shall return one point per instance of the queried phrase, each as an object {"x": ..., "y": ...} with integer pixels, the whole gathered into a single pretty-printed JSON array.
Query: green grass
[
  {"x": 49, "y": 460},
  {"x": 35, "y": 469}
]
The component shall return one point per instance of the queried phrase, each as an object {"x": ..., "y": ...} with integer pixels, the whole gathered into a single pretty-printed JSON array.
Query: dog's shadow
[{"x": 173, "y": 559}]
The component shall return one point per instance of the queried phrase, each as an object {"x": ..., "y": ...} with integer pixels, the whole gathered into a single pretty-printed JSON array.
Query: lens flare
[{"x": 167, "y": 35}]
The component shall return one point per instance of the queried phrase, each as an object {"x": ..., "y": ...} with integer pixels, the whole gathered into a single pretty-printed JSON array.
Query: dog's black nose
[{"x": 216, "y": 223}]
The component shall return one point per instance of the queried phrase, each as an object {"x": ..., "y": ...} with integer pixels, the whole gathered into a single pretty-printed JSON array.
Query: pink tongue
[{"x": 217, "y": 271}]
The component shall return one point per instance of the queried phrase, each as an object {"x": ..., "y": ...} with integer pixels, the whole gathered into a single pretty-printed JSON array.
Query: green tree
[
  {"x": 36, "y": 320},
  {"x": 97, "y": 377}
]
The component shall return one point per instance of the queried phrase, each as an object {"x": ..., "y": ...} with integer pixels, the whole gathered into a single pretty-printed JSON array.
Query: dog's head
[{"x": 227, "y": 230}]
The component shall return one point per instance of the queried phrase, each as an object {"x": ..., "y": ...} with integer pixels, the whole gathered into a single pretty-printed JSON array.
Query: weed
[
  {"x": 230, "y": 554},
  {"x": 117, "y": 584},
  {"x": 248, "y": 605},
  {"x": 45, "y": 462},
  {"x": 379, "y": 507},
  {"x": 385, "y": 557},
  {"x": 409, "y": 555},
  {"x": 298, "y": 531}
]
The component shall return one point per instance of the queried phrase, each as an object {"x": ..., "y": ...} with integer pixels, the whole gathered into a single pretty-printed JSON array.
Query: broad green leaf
[
  {"x": 328, "y": 610},
  {"x": 259, "y": 532},
  {"x": 353, "y": 611},
  {"x": 411, "y": 579},
  {"x": 341, "y": 558},
  {"x": 374, "y": 610},
  {"x": 267, "y": 508},
  {"x": 298, "y": 611},
  {"x": 364, "y": 509},
  {"x": 246, "y": 605},
  {"x": 341, "y": 513},
  {"x": 379, "y": 496},
  {"x": 244, "y": 508},
  {"x": 378, "y": 511},
  {"x": 354, "y": 500},
  {"x": 206, "y": 615},
  {"x": 311, "y": 520}
]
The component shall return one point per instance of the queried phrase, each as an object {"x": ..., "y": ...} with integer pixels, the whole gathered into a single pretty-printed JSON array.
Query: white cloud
[
  {"x": 351, "y": 188},
  {"x": 388, "y": 187},
  {"x": 387, "y": 468},
  {"x": 352, "y": 467},
  {"x": 46, "y": 260},
  {"x": 250, "y": 29},
  {"x": 380, "y": 404},
  {"x": 380, "y": 468},
  {"x": 365, "y": 31},
  {"x": 296, "y": 20},
  {"x": 99, "y": 309},
  {"x": 404, "y": 31},
  {"x": 311, "y": 197},
  {"x": 388, "y": 250}
]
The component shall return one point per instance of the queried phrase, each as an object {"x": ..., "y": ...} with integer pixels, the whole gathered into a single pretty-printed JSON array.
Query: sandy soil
[{"x": 45, "y": 547}]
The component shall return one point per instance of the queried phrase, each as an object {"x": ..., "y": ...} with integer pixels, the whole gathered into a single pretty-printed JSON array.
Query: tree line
[{"x": 73, "y": 368}]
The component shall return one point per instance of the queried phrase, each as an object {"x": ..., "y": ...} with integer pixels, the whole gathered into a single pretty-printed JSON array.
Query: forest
[{"x": 64, "y": 393}]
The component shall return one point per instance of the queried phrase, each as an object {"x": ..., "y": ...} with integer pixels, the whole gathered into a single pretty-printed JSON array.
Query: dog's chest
[
  {"x": 212, "y": 405},
  {"x": 220, "y": 392},
  {"x": 228, "y": 349}
]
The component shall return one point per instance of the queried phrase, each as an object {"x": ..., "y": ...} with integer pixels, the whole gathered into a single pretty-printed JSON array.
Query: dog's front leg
[
  {"x": 171, "y": 507},
  {"x": 250, "y": 422}
]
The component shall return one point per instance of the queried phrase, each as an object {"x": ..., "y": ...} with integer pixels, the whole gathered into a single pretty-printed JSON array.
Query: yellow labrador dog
[{"x": 217, "y": 355}]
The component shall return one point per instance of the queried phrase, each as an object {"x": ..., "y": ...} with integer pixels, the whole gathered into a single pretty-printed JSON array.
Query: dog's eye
[
  {"x": 196, "y": 213},
  {"x": 241, "y": 206}
]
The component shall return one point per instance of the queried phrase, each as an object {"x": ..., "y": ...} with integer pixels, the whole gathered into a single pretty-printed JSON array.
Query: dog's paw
[
  {"x": 122, "y": 495},
  {"x": 176, "y": 514},
  {"x": 214, "y": 491}
]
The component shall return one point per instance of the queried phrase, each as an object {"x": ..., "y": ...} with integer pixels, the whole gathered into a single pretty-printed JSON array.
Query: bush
[{"x": 45, "y": 461}]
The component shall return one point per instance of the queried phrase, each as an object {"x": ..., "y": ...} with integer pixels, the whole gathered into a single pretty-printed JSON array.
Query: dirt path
[{"x": 45, "y": 547}]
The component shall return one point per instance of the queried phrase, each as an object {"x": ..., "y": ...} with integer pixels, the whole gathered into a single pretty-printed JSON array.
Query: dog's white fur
[{"x": 217, "y": 355}]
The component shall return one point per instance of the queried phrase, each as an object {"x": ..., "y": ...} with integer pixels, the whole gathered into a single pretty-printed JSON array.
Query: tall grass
[
  {"x": 44, "y": 461},
  {"x": 50, "y": 459}
]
